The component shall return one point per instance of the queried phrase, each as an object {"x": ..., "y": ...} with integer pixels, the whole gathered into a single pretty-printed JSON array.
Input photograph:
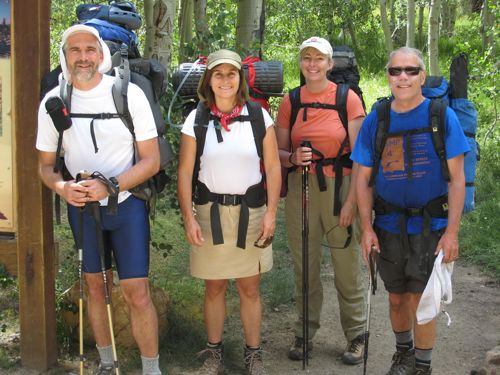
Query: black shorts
[{"x": 406, "y": 270}]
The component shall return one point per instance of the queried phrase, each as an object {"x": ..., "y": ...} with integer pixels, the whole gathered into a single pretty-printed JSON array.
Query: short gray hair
[{"x": 407, "y": 51}]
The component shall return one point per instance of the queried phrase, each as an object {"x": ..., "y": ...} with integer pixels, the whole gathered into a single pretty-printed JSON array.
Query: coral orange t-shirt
[{"x": 323, "y": 127}]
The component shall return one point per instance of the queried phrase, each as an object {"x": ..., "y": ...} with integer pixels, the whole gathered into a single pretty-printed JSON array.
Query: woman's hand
[
  {"x": 301, "y": 156},
  {"x": 268, "y": 225},
  {"x": 347, "y": 213},
  {"x": 193, "y": 231}
]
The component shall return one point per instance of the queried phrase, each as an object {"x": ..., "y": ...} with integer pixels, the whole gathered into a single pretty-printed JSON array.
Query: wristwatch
[{"x": 113, "y": 187}]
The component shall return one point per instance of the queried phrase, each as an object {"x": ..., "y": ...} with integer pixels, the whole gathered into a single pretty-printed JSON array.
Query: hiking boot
[
  {"x": 296, "y": 351},
  {"x": 423, "y": 371},
  {"x": 214, "y": 363},
  {"x": 253, "y": 362},
  {"x": 353, "y": 353},
  {"x": 403, "y": 363},
  {"x": 105, "y": 370}
]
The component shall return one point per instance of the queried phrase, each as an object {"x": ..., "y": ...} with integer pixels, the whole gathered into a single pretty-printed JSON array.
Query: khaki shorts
[{"x": 227, "y": 261}]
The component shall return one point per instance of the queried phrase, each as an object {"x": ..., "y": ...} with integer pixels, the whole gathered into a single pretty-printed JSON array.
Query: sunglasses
[
  {"x": 409, "y": 70},
  {"x": 262, "y": 243}
]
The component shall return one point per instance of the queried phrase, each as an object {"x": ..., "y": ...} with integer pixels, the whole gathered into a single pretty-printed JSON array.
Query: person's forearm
[
  {"x": 351, "y": 195},
  {"x": 273, "y": 185},
  {"x": 456, "y": 196},
  {"x": 364, "y": 197},
  {"x": 139, "y": 173},
  {"x": 54, "y": 181}
]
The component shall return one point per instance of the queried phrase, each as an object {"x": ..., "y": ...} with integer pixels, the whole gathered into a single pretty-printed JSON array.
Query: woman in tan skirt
[{"x": 230, "y": 227}]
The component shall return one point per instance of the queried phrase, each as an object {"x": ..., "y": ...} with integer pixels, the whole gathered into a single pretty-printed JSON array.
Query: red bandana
[{"x": 225, "y": 117}]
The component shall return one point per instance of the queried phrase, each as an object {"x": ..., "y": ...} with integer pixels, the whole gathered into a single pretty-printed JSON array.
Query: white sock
[
  {"x": 151, "y": 366},
  {"x": 106, "y": 354}
]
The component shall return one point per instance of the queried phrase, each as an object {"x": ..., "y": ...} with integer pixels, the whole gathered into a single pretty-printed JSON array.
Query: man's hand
[
  {"x": 95, "y": 188},
  {"x": 74, "y": 193},
  {"x": 369, "y": 242},
  {"x": 347, "y": 213},
  {"x": 449, "y": 244}
]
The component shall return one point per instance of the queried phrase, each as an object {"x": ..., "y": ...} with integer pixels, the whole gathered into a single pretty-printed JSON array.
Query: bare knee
[
  {"x": 215, "y": 289},
  {"x": 136, "y": 293},
  {"x": 398, "y": 302},
  {"x": 248, "y": 290}
]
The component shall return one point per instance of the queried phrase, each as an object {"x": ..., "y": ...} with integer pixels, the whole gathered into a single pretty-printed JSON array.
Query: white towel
[{"x": 437, "y": 291}]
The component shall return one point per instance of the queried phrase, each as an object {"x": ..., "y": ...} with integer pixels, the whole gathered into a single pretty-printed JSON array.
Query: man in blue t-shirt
[{"x": 417, "y": 211}]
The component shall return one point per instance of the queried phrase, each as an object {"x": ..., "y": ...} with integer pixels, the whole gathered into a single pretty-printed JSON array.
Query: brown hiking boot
[
  {"x": 353, "y": 353},
  {"x": 253, "y": 362},
  {"x": 403, "y": 363},
  {"x": 214, "y": 363},
  {"x": 296, "y": 350}
]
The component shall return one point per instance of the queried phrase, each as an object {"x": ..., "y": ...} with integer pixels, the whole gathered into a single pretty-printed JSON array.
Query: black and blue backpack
[{"x": 442, "y": 94}]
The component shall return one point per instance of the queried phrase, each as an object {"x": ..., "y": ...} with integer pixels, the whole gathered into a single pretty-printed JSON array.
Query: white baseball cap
[
  {"x": 104, "y": 66},
  {"x": 321, "y": 44}
]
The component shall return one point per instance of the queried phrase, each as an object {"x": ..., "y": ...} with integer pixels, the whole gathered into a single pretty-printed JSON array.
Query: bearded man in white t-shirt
[{"x": 105, "y": 146}]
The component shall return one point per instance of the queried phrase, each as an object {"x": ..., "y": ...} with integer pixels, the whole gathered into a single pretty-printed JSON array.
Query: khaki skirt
[{"x": 227, "y": 261}]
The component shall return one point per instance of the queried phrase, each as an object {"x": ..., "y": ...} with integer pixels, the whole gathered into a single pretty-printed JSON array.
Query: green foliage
[{"x": 480, "y": 233}]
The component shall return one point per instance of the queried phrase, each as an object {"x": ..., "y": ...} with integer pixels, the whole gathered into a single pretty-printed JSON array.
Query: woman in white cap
[
  {"x": 231, "y": 227},
  {"x": 332, "y": 209}
]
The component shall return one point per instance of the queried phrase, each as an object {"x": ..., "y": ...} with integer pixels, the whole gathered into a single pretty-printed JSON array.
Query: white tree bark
[
  {"x": 420, "y": 27},
  {"x": 433, "y": 37},
  {"x": 160, "y": 17},
  {"x": 200, "y": 19},
  {"x": 385, "y": 26},
  {"x": 185, "y": 28},
  {"x": 448, "y": 17},
  {"x": 248, "y": 26},
  {"x": 410, "y": 24},
  {"x": 486, "y": 26}
]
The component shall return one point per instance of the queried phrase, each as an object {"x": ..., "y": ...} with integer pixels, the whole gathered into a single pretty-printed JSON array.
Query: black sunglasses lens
[
  {"x": 395, "y": 71},
  {"x": 409, "y": 70}
]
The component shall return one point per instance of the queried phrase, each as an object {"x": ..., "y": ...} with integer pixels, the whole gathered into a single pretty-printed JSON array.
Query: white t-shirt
[
  {"x": 114, "y": 141},
  {"x": 232, "y": 166}
]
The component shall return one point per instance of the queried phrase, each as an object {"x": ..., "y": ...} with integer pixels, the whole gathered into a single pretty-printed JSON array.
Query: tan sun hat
[{"x": 223, "y": 56}]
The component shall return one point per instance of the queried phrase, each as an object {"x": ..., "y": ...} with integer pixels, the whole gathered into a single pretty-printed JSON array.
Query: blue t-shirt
[{"x": 392, "y": 183}]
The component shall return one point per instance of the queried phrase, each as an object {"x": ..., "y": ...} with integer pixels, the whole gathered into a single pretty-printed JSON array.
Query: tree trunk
[
  {"x": 410, "y": 24},
  {"x": 250, "y": 27},
  {"x": 420, "y": 27},
  {"x": 392, "y": 10},
  {"x": 185, "y": 29},
  {"x": 433, "y": 37},
  {"x": 448, "y": 17},
  {"x": 385, "y": 26},
  {"x": 200, "y": 19},
  {"x": 352, "y": 34},
  {"x": 159, "y": 16},
  {"x": 487, "y": 28}
]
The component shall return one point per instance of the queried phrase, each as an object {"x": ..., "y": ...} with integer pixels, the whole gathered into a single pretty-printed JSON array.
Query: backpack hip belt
[
  {"x": 338, "y": 163},
  {"x": 437, "y": 207},
  {"x": 254, "y": 197}
]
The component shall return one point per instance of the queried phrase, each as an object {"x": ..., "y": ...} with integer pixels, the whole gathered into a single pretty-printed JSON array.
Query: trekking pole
[
  {"x": 96, "y": 213},
  {"x": 79, "y": 177},
  {"x": 305, "y": 261},
  {"x": 372, "y": 287}
]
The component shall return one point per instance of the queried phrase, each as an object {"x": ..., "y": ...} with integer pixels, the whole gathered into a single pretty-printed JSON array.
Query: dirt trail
[{"x": 461, "y": 347}]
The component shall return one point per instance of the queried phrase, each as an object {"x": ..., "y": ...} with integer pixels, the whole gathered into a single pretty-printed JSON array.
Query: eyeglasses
[
  {"x": 347, "y": 241},
  {"x": 409, "y": 70}
]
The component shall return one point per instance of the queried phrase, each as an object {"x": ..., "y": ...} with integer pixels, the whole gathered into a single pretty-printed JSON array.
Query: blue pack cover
[
  {"x": 436, "y": 87},
  {"x": 467, "y": 115},
  {"x": 112, "y": 31}
]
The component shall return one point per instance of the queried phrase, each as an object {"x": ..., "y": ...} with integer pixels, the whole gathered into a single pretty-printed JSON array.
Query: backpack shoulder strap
[
  {"x": 200, "y": 131},
  {"x": 120, "y": 90},
  {"x": 437, "y": 118},
  {"x": 341, "y": 103},
  {"x": 258, "y": 125},
  {"x": 383, "y": 108},
  {"x": 294, "y": 95}
]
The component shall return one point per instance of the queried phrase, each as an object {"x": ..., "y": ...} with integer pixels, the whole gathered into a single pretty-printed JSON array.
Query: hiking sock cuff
[
  {"x": 151, "y": 365},
  {"x": 106, "y": 355},
  {"x": 214, "y": 345},
  {"x": 248, "y": 347},
  {"x": 403, "y": 337},
  {"x": 423, "y": 357}
]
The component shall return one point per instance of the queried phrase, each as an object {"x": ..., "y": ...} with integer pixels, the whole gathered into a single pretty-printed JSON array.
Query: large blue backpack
[{"x": 442, "y": 94}]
